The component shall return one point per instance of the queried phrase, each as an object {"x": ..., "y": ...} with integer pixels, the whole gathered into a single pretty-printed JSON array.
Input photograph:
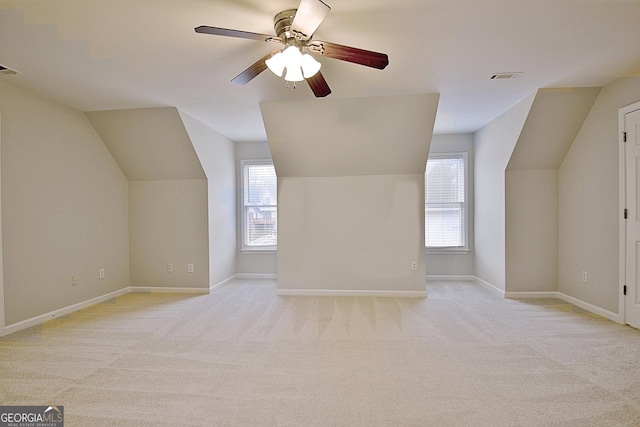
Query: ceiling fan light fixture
[
  {"x": 294, "y": 74},
  {"x": 309, "y": 66},
  {"x": 292, "y": 56},
  {"x": 276, "y": 64},
  {"x": 298, "y": 66},
  {"x": 294, "y": 29}
]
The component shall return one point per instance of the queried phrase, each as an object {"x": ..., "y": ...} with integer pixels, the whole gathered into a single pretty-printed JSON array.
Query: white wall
[
  {"x": 589, "y": 215},
  {"x": 148, "y": 143},
  {"x": 494, "y": 145},
  {"x": 531, "y": 230},
  {"x": 252, "y": 263},
  {"x": 64, "y": 208},
  {"x": 217, "y": 156},
  {"x": 351, "y": 233},
  {"x": 168, "y": 208},
  {"x": 532, "y": 241},
  {"x": 455, "y": 264},
  {"x": 351, "y": 191},
  {"x": 168, "y": 223}
]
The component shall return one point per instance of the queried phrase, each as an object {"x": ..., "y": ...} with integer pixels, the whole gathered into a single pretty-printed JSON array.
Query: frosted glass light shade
[
  {"x": 309, "y": 65},
  {"x": 276, "y": 64},
  {"x": 298, "y": 66},
  {"x": 294, "y": 74},
  {"x": 293, "y": 62}
]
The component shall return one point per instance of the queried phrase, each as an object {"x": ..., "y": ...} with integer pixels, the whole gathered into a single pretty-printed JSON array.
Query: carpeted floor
[{"x": 243, "y": 356}]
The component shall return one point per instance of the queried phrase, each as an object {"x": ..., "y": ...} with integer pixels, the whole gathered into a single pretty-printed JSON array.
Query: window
[
  {"x": 445, "y": 205},
  {"x": 259, "y": 206}
]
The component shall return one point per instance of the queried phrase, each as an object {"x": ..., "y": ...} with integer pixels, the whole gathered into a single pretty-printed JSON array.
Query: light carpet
[{"x": 242, "y": 356}]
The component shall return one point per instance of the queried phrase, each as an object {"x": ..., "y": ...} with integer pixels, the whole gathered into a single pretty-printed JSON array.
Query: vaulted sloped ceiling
[
  {"x": 149, "y": 144},
  {"x": 554, "y": 120},
  {"x": 352, "y": 136}
]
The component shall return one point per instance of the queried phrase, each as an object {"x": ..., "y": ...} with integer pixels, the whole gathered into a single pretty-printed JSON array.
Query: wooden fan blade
[
  {"x": 350, "y": 54},
  {"x": 319, "y": 85},
  {"x": 256, "y": 68},
  {"x": 203, "y": 29},
  {"x": 308, "y": 18}
]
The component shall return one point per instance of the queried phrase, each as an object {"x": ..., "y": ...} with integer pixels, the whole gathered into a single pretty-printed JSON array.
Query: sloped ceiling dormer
[
  {"x": 352, "y": 136},
  {"x": 351, "y": 193},
  {"x": 553, "y": 122},
  {"x": 149, "y": 144}
]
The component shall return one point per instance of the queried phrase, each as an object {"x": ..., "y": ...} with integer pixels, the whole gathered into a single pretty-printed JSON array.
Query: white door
[{"x": 632, "y": 167}]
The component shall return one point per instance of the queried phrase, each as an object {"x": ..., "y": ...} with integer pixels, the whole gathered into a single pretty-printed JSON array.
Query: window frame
[
  {"x": 243, "y": 219},
  {"x": 464, "y": 249}
]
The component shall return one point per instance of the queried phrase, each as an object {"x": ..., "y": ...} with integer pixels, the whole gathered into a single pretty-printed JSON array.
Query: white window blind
[
  {"x": 260, "y": 205},
  {"x": 444, "y": 206}
]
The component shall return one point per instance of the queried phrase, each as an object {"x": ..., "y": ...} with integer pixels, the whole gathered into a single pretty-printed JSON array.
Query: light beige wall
[
  {"x": 64, "y": 208},
  {"x": 457, "y": 264},
  {"x": 351, "y": 233},
  {"x": 260, "y": 263},
  {"x": 532, "y": 241},
  {"x": 351, "y": 191},
  {"x": 168, "y": 223},
  {"x": 589, "y": 201},
  {"x": 554, "y": 121},
  {"x": 494, "y": 145},
  {"x": 532, "y": 230},
  {"x": 217, "y": 156},
  {"x": 350, "y": 136},
  {"x": 149, "y": 144},
  {"x": 166, "y": 201}
]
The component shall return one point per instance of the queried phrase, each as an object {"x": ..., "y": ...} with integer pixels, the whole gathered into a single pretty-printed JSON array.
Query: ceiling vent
[
  {"x": 505, "y": 76},
  {"x": 7, "y": 71}
]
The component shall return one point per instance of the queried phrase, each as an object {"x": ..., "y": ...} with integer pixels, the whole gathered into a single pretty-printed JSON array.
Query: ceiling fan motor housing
[{"x": 282, "y": 23}]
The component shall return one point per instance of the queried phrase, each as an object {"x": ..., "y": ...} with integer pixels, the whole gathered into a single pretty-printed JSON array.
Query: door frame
[
  {"x": 622, "y": 112},
  {"x": 2, "y": 310}
]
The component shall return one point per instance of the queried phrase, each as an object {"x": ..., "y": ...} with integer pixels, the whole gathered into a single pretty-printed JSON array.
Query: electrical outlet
[
  {"x": 74, "y": 280},
  {"x": 189, "y": 268},
  {"x": 169, "y": 268},
  {"x": 585, "y": 277},
  {"x": 101, "y": 273},
  {"x": 414, "y": 265}
]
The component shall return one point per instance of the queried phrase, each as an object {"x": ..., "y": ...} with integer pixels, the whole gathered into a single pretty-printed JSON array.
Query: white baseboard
[
  {"x": 167, "y": 290},
  {"x": 24, "y": 324},
  {"x": 450, "y": 278},
  {"x": 34, "y": 321},
  {"x": 525, "y": 295},
  {"x": 256, "y": 276},
  {"x": 489, "y": 286},
  {"x": 37, "y": 320},
  {"x": 615, "y": 317},
  {"x": 223, "y": 282},
  {"x": 350, "y": 293}
]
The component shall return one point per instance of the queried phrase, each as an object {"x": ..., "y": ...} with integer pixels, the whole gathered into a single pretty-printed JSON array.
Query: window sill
[{"x": 451, "y": 251}]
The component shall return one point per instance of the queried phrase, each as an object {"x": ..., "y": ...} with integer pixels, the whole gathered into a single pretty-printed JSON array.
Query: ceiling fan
[{"x": 294, "y": 29}]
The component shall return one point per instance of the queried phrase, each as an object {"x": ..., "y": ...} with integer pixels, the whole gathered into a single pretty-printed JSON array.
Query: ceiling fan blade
[
  {"x": 319, "y": 85},
  {"x": 350, "y": 54},
  {"x": 256, "y": 68},
  {"x": 309, "y": 16},
  {"x": 216, "y": 31}
]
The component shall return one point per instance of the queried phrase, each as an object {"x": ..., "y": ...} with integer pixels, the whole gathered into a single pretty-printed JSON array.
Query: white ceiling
[{"x": 119, "y": 54}]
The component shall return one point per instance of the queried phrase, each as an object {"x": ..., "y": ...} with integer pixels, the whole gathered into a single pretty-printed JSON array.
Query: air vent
[
  {"x": 505, "y": 76},
  {"x": 7, "y": 71}
]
